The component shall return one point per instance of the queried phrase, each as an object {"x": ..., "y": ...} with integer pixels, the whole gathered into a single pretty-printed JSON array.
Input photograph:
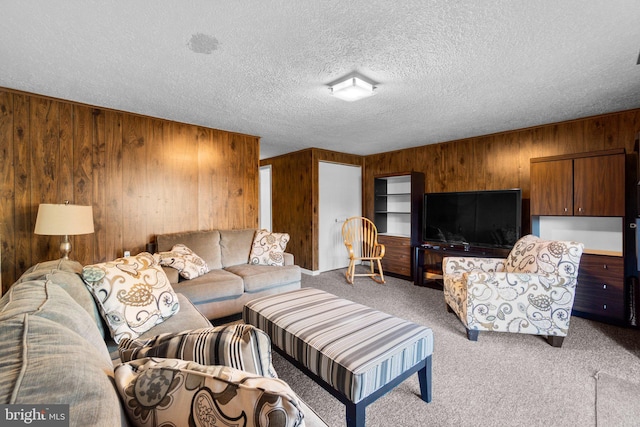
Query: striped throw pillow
[{"x": 238, "y": 346}]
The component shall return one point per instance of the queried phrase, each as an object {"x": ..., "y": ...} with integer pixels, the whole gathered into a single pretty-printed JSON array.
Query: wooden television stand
[{"x": 427, "y": 260}]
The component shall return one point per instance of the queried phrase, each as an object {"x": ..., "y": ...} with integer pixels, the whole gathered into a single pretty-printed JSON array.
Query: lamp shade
[{"x": 64, "y": 220}]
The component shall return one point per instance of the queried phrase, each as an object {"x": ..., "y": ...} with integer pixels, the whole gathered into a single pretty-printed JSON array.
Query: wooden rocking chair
[{"x": 361, "y": 239}]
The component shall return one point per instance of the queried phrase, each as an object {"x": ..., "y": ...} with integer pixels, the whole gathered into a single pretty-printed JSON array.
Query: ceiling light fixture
[{"x": 352, "y": 88}]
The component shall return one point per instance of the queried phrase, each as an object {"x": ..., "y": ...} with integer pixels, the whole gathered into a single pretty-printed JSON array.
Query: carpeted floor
[
  {"x": 617, "y": 401},
  {"x": 501, "y": 380}
]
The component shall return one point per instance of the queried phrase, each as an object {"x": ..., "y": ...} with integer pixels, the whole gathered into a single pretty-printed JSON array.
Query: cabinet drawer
[
  {"x": 600, "y": 289},
  {"x": 397, "y": 257}
]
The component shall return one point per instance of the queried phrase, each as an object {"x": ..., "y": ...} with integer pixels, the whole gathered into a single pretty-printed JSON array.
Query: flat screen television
[{"x": 489, "y": 218}]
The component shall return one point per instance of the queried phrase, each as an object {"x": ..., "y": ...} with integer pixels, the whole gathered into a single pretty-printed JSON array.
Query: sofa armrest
[
  {"x": 172, "y": 274},
  {"x": 289, "y": 259}
]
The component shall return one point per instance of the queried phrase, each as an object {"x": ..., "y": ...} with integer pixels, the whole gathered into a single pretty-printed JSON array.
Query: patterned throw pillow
[
  {"x": 183, "y": 259},
  {"x": 268, "y": 248},
  {"x": 133, "y": 294},
  {"x": 239, "y": 346},
  {"x": 180, "y": 393},
  {"x": 534, "y": 255}
]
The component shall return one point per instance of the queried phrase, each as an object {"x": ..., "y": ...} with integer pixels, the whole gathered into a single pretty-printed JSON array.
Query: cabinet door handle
[
  {"x": 580, "y": 209},
  {"x": 605, "y": 266},
  {"x": 604, "y": 286},
  {"x": 604, "y": 306},
  {"x": 566, "y": 209}
]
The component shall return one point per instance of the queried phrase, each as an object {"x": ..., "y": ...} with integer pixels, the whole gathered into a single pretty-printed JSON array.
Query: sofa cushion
[
  {"x": 44, "y": 299},
  {"x": 238, "y": 346},
  {"x": 44, "y": 362},
  {"x": 133, "y": 294},
  {"x": 213, "y": 286},
  {"x": 236, "y": 246},
  {"x": 260, "y": 277},
  {"x": 183, "y": 259},
  {"x": 205, "y": 243},
  {"x": 68, "y": 275},
  {"x": 189, "y": 317},
  {"x": 268, "y": 248},
  {"x": 177, "y": 392}
]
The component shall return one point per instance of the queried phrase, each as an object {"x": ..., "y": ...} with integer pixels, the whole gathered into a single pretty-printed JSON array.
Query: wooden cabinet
[
  {"x": 398, "y": 217},
  {"x": 397, "y": 257},
  {"x": 590, "y": 184},
  {"x": 600, "y": 293},
  {"x": 599, "y": 187}
]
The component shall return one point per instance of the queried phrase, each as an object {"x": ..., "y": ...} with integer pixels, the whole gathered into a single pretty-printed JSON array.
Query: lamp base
[{"x": 65, "y": 247}]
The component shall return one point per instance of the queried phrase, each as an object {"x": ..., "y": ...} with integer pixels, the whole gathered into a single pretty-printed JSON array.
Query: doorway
[{"x": 265, "y": 197}]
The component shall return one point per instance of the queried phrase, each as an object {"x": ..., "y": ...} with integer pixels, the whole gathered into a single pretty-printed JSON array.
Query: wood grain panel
[
  {"x": 143, "y": 176},
  {"x": 114, "y": 211},
  {"x": 292, "y": 204},
  {"x": 44, "y": 143},
  {"x": 99, "y": 179},
  {"x": 125, "y": 199},
  {"x": 7, "y": 194},
  {"x": 503, "y": 158},
  {"x": 207, "y": 167},
  {"x": 22, "y": 236},
  {"x": 82, "y": 167}
]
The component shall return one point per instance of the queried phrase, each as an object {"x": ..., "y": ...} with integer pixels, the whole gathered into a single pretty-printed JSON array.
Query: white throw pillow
[
  {"x": 133, "y": 294},
  {"x": 183, "y": 259},
  {"x": 268, "y": 248}
]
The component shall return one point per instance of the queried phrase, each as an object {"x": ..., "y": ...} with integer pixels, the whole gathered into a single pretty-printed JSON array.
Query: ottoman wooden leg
[
  {"x": 355, "y": 414},
  {"x": 424, "y": 378}
]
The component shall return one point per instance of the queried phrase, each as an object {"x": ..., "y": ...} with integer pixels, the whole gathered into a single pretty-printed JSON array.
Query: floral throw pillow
[
  {"x": 183, "y": 259},
  {"x": 180, "y": 393},
  {"x": 133, "y": 294},
  {"x": 268, "y": 248}
]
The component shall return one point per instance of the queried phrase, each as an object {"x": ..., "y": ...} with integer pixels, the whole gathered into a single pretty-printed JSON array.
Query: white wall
[{"x": 265, "y": 197}]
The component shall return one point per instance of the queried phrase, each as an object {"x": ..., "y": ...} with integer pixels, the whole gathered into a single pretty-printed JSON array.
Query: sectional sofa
[
  {"x": 59, "y": 347},
  {"x": 240, "y": 268}
]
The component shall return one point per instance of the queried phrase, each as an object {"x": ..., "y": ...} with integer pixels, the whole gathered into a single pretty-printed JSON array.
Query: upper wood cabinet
[{"x": 587, "y": 184}]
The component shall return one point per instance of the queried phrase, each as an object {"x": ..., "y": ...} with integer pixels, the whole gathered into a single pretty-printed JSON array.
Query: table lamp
[{"x": 64, "y": 220}]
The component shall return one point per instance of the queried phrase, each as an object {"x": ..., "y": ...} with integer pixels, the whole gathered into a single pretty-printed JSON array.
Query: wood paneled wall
[
  {"x": 143, "y": 176},
  {"x": 501, "y": 160},
  {"x": 295, "y": 198}
]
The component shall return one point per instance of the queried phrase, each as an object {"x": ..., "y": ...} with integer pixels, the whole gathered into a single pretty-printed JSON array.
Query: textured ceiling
[{"x": 445, "y": 70}]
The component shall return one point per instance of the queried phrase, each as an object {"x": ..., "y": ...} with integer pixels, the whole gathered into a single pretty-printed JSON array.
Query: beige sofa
[
  {"x": 232, "y": 279},
  {"x": 57, "y": 350}
]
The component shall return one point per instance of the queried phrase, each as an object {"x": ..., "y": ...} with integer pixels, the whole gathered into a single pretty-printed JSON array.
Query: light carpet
[
  {"x": 501, "y": 380},
  {"x": 617, "y": 401}
]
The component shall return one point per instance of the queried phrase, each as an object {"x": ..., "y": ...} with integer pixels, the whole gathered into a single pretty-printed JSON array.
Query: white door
[
  {"x": 340, "y": 189},
  {"x": 265, "y": 197}
]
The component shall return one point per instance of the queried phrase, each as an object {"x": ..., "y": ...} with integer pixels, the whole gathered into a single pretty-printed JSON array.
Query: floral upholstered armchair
[{"x": 530, "y": 292}]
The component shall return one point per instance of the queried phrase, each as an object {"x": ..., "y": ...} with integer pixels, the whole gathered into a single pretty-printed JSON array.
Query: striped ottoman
[{"x": 356, "y": 353}]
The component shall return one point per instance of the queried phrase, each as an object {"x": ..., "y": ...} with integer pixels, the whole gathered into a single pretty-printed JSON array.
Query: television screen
[{"x": 475, "y": 218}]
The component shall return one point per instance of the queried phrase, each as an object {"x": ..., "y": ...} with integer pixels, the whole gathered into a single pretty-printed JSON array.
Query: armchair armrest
[
  {"x": 518, "y": 302},
  {"x": 459, "y": 265}
]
